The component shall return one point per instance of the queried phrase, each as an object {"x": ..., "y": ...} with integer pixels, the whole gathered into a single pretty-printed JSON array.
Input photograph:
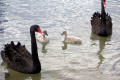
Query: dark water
[{"x": 97, "y": 58}]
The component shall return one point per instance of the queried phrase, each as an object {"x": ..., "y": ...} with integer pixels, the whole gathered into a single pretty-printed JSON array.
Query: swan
[
  {"x": 19, "y": 59},
  {"x": 43, "y": 38},
  {"x": 101, "y": 23},
  {"x": 71, "y": 39}
]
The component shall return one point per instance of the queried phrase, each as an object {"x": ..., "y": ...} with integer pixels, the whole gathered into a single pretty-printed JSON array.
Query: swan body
[
  {"x": 71, "y": 39},
  {"x": 101, "y": 23},
  {"x": 19, "y": 58},
  {"x": 43, "y": 38}
]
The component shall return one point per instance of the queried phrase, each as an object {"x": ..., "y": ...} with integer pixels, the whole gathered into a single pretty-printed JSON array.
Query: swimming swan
[
  {"x": 19, "y": 58},
  {"x": 43, "y": 38},
  {"x": 71, "y": 39},
  {"x": 101, "y": 23}
]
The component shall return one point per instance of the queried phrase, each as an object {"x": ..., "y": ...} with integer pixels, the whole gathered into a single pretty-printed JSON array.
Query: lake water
[{"x": 97, "y": 58}]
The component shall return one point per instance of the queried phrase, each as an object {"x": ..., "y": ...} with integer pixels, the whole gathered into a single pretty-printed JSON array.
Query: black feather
[{"x": 101, "y": 23}]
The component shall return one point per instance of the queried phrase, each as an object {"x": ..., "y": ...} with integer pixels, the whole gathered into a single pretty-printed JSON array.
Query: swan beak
[
  {"x": 47, "y": 34},
  {"x": 39, "y": 30}
]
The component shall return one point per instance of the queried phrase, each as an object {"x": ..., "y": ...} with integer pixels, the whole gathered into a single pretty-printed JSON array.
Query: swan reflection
[
  {"x": 64, "y": 47},
  {"x": 102, "y": 41},
  {"x": 14, "y": 75},
  {"x": 44, "y": 50}
]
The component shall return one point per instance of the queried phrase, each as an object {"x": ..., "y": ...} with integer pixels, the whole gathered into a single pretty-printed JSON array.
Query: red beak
[
  {"x": 39, "y": 30},
  {"x": 104, "y": 3}
]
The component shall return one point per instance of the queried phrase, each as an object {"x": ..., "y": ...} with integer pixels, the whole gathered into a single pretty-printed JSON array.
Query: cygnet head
[
  {"x": 45, "y": 32},
  {"x": 64, "y": 33}
]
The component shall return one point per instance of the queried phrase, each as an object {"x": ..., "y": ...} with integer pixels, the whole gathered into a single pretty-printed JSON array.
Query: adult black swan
[
  {"x": 101, "y": 23},
  {"x": 19, "y": 59}
]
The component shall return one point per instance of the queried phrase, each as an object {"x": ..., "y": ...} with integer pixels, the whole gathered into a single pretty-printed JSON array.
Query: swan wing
[
  {"x": 95, "y": 19},
  {"x": 21, "y": 49},
  {"x": 16, "y": 60},
  {"x": 96, "y": 23},
  {"x": 40, "y": 37}
]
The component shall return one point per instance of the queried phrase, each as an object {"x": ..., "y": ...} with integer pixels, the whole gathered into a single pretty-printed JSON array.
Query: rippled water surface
[{"x": 98, "y": 58}]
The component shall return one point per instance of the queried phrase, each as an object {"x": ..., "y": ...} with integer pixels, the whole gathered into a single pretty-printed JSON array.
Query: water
[{"x": 97, "y": 58}]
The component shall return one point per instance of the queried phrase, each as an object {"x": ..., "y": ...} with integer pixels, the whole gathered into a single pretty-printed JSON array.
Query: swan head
[
  {"x": 64, "y": 33},
  {"x": 35, "y": 28},
  {"x": 45, "y": 32},
  {"x": 104, "y": 3}
]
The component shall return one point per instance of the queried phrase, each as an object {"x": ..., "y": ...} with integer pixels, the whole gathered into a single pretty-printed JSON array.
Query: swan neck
[
  {"x": 43, "y": 36},
  {"x": 34, "y": 46},
  {"x": 103, "y": 12},
  {"x": 65, "y": 37}
]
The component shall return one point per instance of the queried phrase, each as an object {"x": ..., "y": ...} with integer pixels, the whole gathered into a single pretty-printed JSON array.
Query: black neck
[
  {"x": 34, "y": 46},
  {"x": 36, "y": 62},
  {"x": 103, "y": 14}
]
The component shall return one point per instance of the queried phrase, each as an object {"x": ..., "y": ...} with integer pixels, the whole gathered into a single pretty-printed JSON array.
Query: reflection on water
[
  {"x": 64, "y": 47},
  {"x": 13, "y": 75},
  {"x": 44, "y": 50},
  {"x": 102, "y": 41},
  {"x": 20, "y": 76}
]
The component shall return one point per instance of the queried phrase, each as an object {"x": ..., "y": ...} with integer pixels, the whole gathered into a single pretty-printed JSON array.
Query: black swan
[
  {"x": 101, "y": 23},
  {"x": 19, "y": 59}
]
